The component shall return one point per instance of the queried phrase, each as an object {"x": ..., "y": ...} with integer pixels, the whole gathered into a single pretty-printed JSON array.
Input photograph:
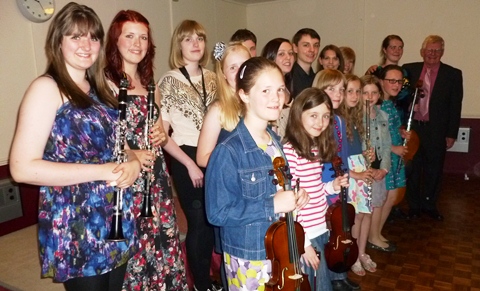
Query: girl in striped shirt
[{"x": 309, "y": 141}]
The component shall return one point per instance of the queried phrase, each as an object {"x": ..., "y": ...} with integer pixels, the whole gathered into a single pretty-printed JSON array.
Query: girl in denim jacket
[
  {"x": 240, "y": 196},
  {"x": 381, "y": 143}
]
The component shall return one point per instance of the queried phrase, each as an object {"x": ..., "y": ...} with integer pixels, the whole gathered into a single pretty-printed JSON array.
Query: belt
[{"x": 421, "y": 122}]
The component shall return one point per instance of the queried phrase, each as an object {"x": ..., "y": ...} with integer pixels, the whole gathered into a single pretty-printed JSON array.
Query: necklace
[{"x": 339, "y": 134}]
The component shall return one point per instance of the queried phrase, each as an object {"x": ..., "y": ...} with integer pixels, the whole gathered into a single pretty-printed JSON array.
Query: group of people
[{"x": 222, "y": 130}]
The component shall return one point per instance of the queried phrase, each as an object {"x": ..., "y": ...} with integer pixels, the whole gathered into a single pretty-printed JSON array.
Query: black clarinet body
[
  {"x": 116, "y": 231},
  {"x": 147, "y": 201}
]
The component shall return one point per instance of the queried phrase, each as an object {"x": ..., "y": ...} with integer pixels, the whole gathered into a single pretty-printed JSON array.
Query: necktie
[{"x": 425, "y": 100}]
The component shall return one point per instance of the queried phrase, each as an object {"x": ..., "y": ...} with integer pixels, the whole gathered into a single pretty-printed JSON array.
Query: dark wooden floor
[{"x": 433, "y": 255}]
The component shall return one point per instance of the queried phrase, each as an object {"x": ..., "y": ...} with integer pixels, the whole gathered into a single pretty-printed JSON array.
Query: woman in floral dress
[
  {"x": 157, "y": 265},
  {"x": 65, "y": 141}
]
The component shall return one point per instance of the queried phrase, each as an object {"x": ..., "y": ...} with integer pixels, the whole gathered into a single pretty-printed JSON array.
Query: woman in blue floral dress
[
  {"x": 64, "y": 141},
  {"x": 157, "y": 265}
]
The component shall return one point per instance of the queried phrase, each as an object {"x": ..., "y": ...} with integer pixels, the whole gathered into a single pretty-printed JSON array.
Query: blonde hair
[
  {"x": 328, "y": 77},
  {"x": 184, "y": 29},
  {"x": 353, "y": 115},
  {"x": 228, "y": 102},
  {"x": 433, "y": 39}
]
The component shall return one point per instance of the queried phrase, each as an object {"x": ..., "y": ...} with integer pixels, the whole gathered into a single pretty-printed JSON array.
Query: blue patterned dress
[
  {"x": 74, "y": 220},
  {"x": 396, "y": 175},
  {"x": 158, "y": 263}
]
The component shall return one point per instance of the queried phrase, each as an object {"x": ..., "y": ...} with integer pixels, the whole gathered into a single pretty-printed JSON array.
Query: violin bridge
[
  {"x": 346, "y": 242},
  {"x": 295, "y": 277}
]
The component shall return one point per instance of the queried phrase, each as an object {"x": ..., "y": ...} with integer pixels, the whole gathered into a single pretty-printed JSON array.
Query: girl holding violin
[
  {"x": 333, "y": 83},
  {"x": 309, "y": 142},
  {"x": 241, "y": 197}
]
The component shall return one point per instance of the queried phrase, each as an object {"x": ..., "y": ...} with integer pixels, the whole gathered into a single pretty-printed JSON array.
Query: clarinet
[
  {"x": 368, "y": 162},
  {"x": 116, "y": 231},
  {"x": 147, "y": 145}
]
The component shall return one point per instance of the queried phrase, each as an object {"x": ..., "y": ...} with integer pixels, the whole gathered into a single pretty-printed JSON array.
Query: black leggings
[
  {"x": 200, "y": 238},
  {"x": 111, "y": 281}
]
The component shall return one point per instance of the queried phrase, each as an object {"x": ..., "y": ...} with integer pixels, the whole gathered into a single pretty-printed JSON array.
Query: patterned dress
[
  {"x": 74, "y": 220},
  {"x": 396, "y": 176},
  {"x": 158, "y": 264},
  {"x": 358, "y": 190}
]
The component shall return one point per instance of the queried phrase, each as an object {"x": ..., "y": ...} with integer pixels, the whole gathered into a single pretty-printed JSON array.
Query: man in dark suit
[{"x": 436, "y": 121}]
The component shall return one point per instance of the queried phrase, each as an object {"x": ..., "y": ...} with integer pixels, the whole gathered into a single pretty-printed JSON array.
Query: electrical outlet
[
  {"x": 10, "y": 201},
  {"x": 462, "y": 142}
]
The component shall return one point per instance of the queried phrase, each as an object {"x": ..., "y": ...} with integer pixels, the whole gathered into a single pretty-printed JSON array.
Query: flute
[
  {"x": 116, "y": 231},
  {"x": 368, "y": 162},
  {"x": 147, "y": 200}
]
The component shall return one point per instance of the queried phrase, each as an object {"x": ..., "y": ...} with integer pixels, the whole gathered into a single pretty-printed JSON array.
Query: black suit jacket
[{"x": 445, "y": 107}]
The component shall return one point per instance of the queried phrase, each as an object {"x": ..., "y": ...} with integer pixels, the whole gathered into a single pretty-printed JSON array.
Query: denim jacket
[
  {"x": 380, "y": 137},
  {"x": 239, "y": 193}
]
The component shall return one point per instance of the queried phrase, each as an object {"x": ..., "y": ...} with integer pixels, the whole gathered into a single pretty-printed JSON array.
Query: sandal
[
  {"x": 367, "y": 263},
  {"x": 358, "y": 269}
]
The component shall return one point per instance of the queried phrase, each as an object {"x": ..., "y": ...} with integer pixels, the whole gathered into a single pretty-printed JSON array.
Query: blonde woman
[
  {"x": 187, "y": 91},
  {"x": 224, "y": 113}
]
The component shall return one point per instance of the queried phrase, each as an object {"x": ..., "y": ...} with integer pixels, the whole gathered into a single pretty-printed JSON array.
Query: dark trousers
[
  {"x": 111, "y": 281},
  {"x": 200, "y": 238},
  {"x": 423, "y": 183}
]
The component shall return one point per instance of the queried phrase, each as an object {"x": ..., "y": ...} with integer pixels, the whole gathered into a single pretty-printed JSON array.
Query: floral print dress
[
  {"x": 158, "y": 264},
  {"x": 74, "y": 221}
]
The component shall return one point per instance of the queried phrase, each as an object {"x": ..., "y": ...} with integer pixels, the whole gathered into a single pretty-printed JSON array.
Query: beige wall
[
  {"x": 22, "y": 56},
  {"x": 361, "y": 24}
]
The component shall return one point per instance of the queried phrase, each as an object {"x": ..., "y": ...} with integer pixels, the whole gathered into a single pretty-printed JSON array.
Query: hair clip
[
  {"x": 242, "y": 72},
  {"x": 219, "y": 50}
]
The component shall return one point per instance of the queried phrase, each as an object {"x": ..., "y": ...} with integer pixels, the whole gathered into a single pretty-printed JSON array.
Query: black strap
[{"x": 187, "y": 76}]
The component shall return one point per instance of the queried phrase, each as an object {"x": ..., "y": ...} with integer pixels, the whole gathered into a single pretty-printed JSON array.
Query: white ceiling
[{"x": 252, "y": 1}]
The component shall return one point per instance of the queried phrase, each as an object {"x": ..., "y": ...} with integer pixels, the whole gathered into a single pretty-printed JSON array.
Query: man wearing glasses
[{"x": 436, "y": 120}]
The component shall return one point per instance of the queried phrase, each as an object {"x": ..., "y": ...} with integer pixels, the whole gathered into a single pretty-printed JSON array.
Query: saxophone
[
  {"x": 116, "y": 231},
  {"x": 147, "y": 200},
  {"x": 368, "y": 145}
]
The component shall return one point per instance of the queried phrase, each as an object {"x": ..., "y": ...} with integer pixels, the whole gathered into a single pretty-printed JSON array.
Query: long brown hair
[
  {"x": 297, "y": 135},
  {"x": 385, "y": 44},
  {"x": 114, "y": 68},
  {"x": 76, "y": 18},
  {"x": 353, "y": 115}
]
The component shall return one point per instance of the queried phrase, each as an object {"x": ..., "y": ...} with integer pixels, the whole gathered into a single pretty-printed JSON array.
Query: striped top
[{"x": 312, "y": 216}]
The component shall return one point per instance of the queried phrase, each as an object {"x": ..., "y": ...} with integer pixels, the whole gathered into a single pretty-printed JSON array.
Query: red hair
[{"x": 114, "y": 67}]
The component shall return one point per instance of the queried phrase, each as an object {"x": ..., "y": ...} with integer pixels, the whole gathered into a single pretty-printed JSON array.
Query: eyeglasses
[
  {"x": 432, "y": 51},
  {"x": 393, "y": 81}
]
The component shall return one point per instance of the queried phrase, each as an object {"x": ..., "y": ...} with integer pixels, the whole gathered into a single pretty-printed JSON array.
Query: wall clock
[{"x": 37, "y": 10}]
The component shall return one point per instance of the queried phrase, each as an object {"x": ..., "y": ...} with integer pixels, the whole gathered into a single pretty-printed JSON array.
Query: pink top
[{"x": 312, "y": 216}]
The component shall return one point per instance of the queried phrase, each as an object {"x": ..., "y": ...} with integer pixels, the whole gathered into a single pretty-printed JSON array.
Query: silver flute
[
  {"x": 368, "y": 145},
  {"x": 147, "y": 201},
  {"x": 116, "y": 231}
]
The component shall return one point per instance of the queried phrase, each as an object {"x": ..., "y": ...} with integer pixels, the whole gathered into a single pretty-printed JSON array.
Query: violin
[
  {"x": 341, "y": 251},
  {"x": 284, "y": 243}
]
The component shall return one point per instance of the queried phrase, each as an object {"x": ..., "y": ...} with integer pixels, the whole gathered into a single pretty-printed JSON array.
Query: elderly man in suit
[{"x": 436, "y": 121}]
